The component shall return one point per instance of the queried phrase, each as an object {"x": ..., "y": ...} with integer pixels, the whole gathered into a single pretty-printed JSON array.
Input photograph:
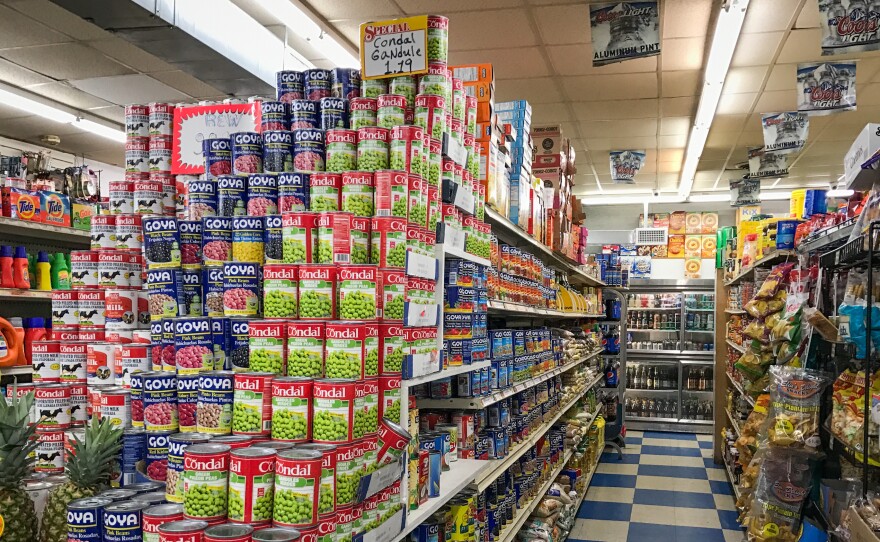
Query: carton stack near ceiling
[{"x": 527, "y": 170}]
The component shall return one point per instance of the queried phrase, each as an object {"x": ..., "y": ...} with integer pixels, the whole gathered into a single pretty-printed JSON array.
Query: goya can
[
  {"x": 251, "y": 485},
  {"x": 316, "y": 83},
  {"x": 133, "y": 456},
  {"x": 275, "y": 115},
  {"x": 158, "y": 515},
  {"x": 165, "y": 293},
  {"x": 252, "y": 414},
  {"x": 372, "y": 152},
  {"x": 299, "y": 234},
  {"x": 241, "y": 287},
  {"x": 193, "y": 345},
  {"x": 266, "y": 345},
  {"x": 262, "y": 195},
  {"x": 218, "y": 157},
  {"x": 231, "y": 196},
  {"x": 356, "y": 194},
  {"x": 183, "y": 531},
  {"x": 85, "y": 518},
  {"x": 334, "y": 113},
  {"x": 157, "y": 456},
  {"x": 293, "y": 191},
  {"x": 202, "y": 199},
  {"x": 305, "y": 348},
  {"x": 297, "y": 479},
  {"x": 304, "y": 115},
  {"x": 215, "y": 399},
  {"x": 317, "y": 292},
  {"x": 341, "y": 149},
  {"x": 177, "y": 445},
  {"x": 277, "y": 149},
  {"x": 160, "y": 401},
  {"x": 247, "y": 153},
  {"x": 161, "y": 241},
  {"x": 187, "y": 402},
  {"x": 308, "y": 149},
  {"x": 291, "y": 408},
  {"x": 123, "y": 522},
  {"x": 333, "y": 409},
  {"x": 324, "y": 191},
  {"x": 345, "y": 83},
  {"x": 289, "y": 86},
  {"x": 212, "y": 290},
  {"x": 205, "y": 481}
]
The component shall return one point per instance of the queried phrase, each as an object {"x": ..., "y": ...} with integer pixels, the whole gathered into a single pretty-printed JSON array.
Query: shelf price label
[{"x": 394, "y": 47}]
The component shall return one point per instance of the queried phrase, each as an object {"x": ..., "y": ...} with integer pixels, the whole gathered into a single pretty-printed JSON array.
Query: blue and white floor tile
[{"x": 665, "y": 489}]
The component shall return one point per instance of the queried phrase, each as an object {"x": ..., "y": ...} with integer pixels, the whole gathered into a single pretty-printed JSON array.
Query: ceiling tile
[
  {"x": 622, "y": 143},
  {"x": 685, "y": 18},
  {"x": 507, "y": 62},
  {"x": 349, "y": 28},
  {"x": 777, "y": 101},
  {"x": 722, "y": 140},
  {"x": 578, "y": 60},
  {"x": 618, "y": 109},
  {"x": 782, "y": 77},
  {"x": 801, "y": 46},
  {"x": 469, "y": 32},
  {"x": 126, "y": 89},
  {"x": 683, "y": 53},
  {"x": 68, "y": 95},
  {"x": 187, "y": 84},
  {"x": 619, "y": 128},
  {"x": 623, "y": 86},
  {"x": 20, "y": 76},
  {"x": 735, "y": 103},
  {"x": 677, "y": 84},
  {"x": 17, "y": 30},
  {"x": 115, "y": 113},
  {"x": 672, "y": 141},
  {"x": 419, "y": 7},
  {"x": 809, "y": 16},
  {"x": 670, "y": 167},
  {"x": 564, "y": 24},
  {"x": 65, "y": 61},
  {"x": 675, "y": 126},
  {"x": 744, "y": 79},
  {"x": 671, "y": 155},
  {"x": 372, "y": 10},
  {"x": 550, "y": 112},
  {"x": 678, "y": 107},
  {"x": 757, "y": 50},
  {"x": 535, "y": 90},
  {"x": 769, "y": 15}
]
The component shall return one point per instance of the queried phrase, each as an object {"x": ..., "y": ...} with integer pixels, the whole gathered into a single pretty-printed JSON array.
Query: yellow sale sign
[{"x": 393, "y": 48}]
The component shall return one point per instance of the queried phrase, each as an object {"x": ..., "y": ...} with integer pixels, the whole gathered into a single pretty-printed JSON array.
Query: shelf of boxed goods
[
  {"x": 15, "y": 294},
  {"x": 498, "y": 466},
  {"x": 477, "y": 403},
  {"x": 509, "y": 307},
  {"x": 447, "y": 372},
  {"x": 769, "y": 260},
  {"x": 13, "y": 230},
  {"x": 461, "y": 473},
  {"x": 827, "y": 237},
  {"x": 510, "y": 532},
  {"x": 507, "y": 231}
]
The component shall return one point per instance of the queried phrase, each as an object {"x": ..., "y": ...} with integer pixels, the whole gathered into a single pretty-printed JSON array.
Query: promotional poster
[
  {"x": 623, "y": 31},
  {"x": 849, "y": 26},
  {"x": 826, "y": 88},
  {"x": 625, "y": 165},
  {"x": 785, "y": 133}
]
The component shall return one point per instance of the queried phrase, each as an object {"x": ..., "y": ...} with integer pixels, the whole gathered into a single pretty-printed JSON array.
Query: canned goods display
[
  {"x": 252, "y": 412},
  {"x": 205, "y": 481},
  {"x": 293, "y": 191},
  {"x": 372, "y": 150},
  {"x": 324, "y": 191},
  {"x": 247, "y": 153},
  {"x": 291, "y": 409},
  {"x": 251, "y": 485},
  {"x": 308, "y": 149},
  {"x": 176, "y": 455},
  {"x": 297, "y": 481},
  {"x": 356, "y": 194},
  {"x": 362, "y": 112},
  {"x": 289, "y": 86}
]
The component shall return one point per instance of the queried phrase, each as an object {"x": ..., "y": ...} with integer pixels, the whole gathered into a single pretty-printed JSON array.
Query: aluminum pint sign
[
  {"x": 849, "y": 26},
  {"x": 826, "y": 88},
  {"x": 625, "y": 165},
  {"x": 623, "y": 31},
  {"x": 785, "y": 133}
]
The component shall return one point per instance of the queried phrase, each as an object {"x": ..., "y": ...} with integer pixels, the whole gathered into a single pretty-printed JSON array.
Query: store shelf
[
  {"x": 738, "y": 347},
  {"x": 509, "y": 232},
  {"x": 730, "y": 478},
  {"x": 509, "y": 307},
  {"x": 696, "y": 422},
  {"x": 827, "y": 237},
  {"x": 456, "y": 252},
  {"x": 699, "y": 331},
  {"x": 688, "y": 309},
  {"x": 662, "y": 352},
  {"x": 733, "y": 422},
  {"x": 14, "y": 294},
  {"x": 449, "y": 371},
  {"x": 741, "y": 391},
  {"x": 707, "y": 361},
  {"x": 655, "y": 309},
  {"x": 482, "y": 402},
  {"x": 734, "y": 311},
  {"x": 631, "y": 418},
  {"x": 770, "y": 259},
  {"x": 642, "y": 390},
  {"x": 15, "y": 231},
  {"x": 16, "y": 371},
  {"x": 650, "y": 329},
  {"x": 501, "y": 465},
  {"x": 452, "y": 482}
]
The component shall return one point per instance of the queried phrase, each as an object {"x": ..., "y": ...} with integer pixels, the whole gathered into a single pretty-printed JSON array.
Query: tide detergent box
[
  {"x": 56, "y": 208},
  {"x": 25, "y": 205}
]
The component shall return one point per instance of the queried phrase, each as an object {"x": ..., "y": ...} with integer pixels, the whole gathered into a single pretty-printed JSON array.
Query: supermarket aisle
[{"x": 665, "y": 489}]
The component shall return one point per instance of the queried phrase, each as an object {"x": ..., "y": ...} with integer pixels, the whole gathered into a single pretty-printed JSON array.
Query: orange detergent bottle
[{"x": 11, "y": 342}]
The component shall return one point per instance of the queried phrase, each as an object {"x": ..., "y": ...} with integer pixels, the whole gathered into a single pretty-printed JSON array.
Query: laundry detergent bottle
[{"x": 11, "y": 342}]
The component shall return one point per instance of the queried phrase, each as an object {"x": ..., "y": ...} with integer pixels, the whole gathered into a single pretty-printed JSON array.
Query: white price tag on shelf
[
  {"x": 464, "y": 200},
  {"x": 419, "y": 265},
  {"x": 453, "y": 237},
  {"x": 423, "y": 364},
  {"x": 418, "y": 315},
  {"x": 386, "y": 532}
]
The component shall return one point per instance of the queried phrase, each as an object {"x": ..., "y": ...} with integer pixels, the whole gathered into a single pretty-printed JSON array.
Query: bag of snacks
[
  {"x": 775, "y": 281},
  {"x": 853, "y": 307},
  {"x": 795, "y": 397},
  {"x": 783, "y": 486}
]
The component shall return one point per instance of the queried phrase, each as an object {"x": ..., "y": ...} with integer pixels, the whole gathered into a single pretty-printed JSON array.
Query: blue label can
[
  {"x": 239, "y": 341},
  {"x": 165, "y": 293},
  {"x": 231, "y": 195},
  {"x": 304, "y": 115},
  {"x": 85, "y": 517},
  {"x": 123, "y": 522},
  {"x": 274, "y": 248},
  {"x": 216, "y": 395},
  {"x": 274, "y": 116},
  {"x": 157, "y": 455},
  {"x": 187, "y": 400},
  {"x": 262, "y": 195},
  {"x": 202, "y": 198},
  {"x": 161, "y": 241},
  {"x": 218, "y": 157},
  {"x": 293, "y": 192},
  {"x": 345, "y": 83},
  {"x": 241, "y": 289},
  {"x": 308, "y": 150},
  {"x": 289, "y": 86},
  {"x": 430, "y": 531},
  {"x": 247, "y": 153},
  {"x": 334, "y": 113},
  {"x": 216, "y": 239},
  {"x": 277, "y": 147},
  {"x": 193, "y": 345},
  {"x": 316, "y": 83},
  {"x": 192, "y": 291},
  {"x": 220, "y": 338},
  {"x": 212, "y": 290},
  {"x": 134, "y": 447}
]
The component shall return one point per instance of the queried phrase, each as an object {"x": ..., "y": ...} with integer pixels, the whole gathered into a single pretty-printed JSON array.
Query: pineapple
[
  {"x": 88, "y": 472},
  {"x": 18, "y": 519}
]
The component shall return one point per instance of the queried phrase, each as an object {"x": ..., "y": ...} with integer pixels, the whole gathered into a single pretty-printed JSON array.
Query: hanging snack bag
[{"x": 796, "y": 395}]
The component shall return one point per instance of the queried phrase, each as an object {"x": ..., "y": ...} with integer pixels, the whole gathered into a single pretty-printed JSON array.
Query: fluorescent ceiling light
[
  {"x": 775, "y": 196},
  {"x": 630, "y": 200},
  {"x": 301, "y": 24},
  {"x": 727, "y": 30},
  {"x": 839, "y": 193},
  {"x": 706, "y": 198},
  {"x": 100, "y": 129}
]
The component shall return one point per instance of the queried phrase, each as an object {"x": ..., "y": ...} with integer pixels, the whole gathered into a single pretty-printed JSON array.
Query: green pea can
[
  {"x": 348, "y": 473},
  {"x": 417, "y": 200},
  {"x": 317, "y": 292},
  {"x": 205, "y": 481},
  {"x": 280, "y": 289},
  {"x": 299, "y": 236},
  {"x": 327, "y": 491},
  {"x": 390, "y": 189},
  {"x": 252, "y": 411},
  {"x": 251, "y": 485},
  {"x": 434, "y": 155},
  {"x": 333, "y": 410},
  {"x": 438, "y": 38},
  {"x": 324, "y": 191},
  {"x": 366, "y": 418},
  {"x": 388, "y": 242},
  {"x": 357, "y": 193},
  {"x": 373, "y": 88},
  {"x": 343, "y": 524},
  {"x": 360, "y": 240},
  {"x": 391, "y": 110},
  {"x": 391, "y": 292},
  {"x": 372, "y": 152},
  {"x": 305, "y": 348},
  {"x": 391, "y": 346},
  {"x": 430, "y": 114},
  {"x": 291, "y": 408},
  {"x": 362, "y": 112},
  {"x": 370, "y": 518},
  {"x": 344, "y": 349},
  {"x": 266, "y": 346},
  {"x": 334, "y": 238},
  {"x": 356, "y": 288},
  {"x": 389, "y": 397},
  {"x": 393, "y": 441},
  {"x": 406, "y": 148},
  {"x": 341, "y": 149},
  {"x": 370, "y": 445},
  {"x": 326, "y": 528},
  {"x": 297, "y": 479},
  {"x": 371, "y": 349}
]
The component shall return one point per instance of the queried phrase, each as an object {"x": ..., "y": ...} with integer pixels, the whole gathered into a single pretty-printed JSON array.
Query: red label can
[
  {"x": 291, "y": 409},
  {"x": 388, "y": 242},
  {"x": 183, "y": 531},
  {"x": 391, "y": 294},
  {"x": 160, "y": 514},
  {"x": 79, "y": 403},
  {"x": 103, "y": 232},
  {"x": 65, "y": 309},
  {"x": 120, "y": 308},
  {"x": 45, "y": 361},
  {"x": 252, "y": 395},
  {"x": 317, "y": 292},
  {"x": 73, "y": 361},
  {"x": 390, "y": 189},
  {"x": 130, "y": 358},
  {"x": 92, "y": 307},
  {"x": 116, "y": 407},
  {"x": 299, "y": 232},
  {"x": 297, "y": 479},
  {"x": 52, "y": 404},
  {"x": 83, "y": 269},
  {"x": 100, "y": 363},
  {"x": 250, "y": 484},
  {"x": 333, "y": 407},
  {"x": 205, "y": 474},
  {"x": 50, "y": 452},
  {"x": 334, "y": 238}
]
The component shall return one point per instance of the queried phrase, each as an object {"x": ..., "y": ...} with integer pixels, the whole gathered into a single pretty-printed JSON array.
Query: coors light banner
[
  {"x": 826, "y": 88},
  {"x": 849, "y": 26},
  {"x": 623, "y": 31},
  {"x": 744, "y": 192},
  {"x": 766, "y": 164},
  {"x": 625, "y": 165},
  {"x": 785, "y": 133}
]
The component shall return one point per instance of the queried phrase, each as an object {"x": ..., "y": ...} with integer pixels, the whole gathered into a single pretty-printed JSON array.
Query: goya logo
[
  {"x": 788, "y": 492},
  {"x": 246, "y": 138},
  {"x": 160, "y": 224},
  {"x": 277, "y": 136},
  {"x": 230, "y": 183},
  {"x": 799, "y": 389},
  {"x": 307, "y": 106},
  {"x": 290, "y": 77},
  {"x": 215, "y": 145},
  {"x": 307, "y": 135},
  {"x": 293, "y": 179}
]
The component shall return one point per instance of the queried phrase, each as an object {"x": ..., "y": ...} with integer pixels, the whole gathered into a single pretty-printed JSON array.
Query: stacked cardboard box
[
  {"x": 554, "y": 163},
  {"x": 517, "y": 119}
]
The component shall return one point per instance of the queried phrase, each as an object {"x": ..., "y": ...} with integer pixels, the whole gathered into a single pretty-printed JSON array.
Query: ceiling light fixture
[
  {"x": 836, "y": 193},
  {"x": 301, "y": 24},
  {"x": 102, "y": 130},
  {"x": 727, "y": 30},
  {"x": 775, "y": 196},
  {"x": 631, "y": 200},
  {"x": 708, "y": 198}
]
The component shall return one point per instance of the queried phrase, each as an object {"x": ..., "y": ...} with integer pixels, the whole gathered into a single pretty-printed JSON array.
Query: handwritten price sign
[
  {"x": 194, "y": 123},
  {"x": 395, "y": 47}
]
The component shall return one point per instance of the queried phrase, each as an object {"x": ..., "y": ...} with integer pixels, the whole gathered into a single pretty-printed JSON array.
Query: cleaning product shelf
[
  {"x": 15, "y": 231},
  {"x": 14, "y": 294}
]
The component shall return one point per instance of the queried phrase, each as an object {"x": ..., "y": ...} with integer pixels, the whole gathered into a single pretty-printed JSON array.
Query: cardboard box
[
  {"x": 676, "y": 223},
  {"x": 661, "y": 220},
  {"x": 864, "y": 147},
  {"x": 693, "y": 246},
  {"x": 577, "y": 210},
  {"x": 484, "y": 92},
  {"x": 693, "y": 223},
  {"x": 709, "y": 223},
  {"x": 547, "y": 139},
  {"x": 675, "y": 246},
  {"x": 693, "y": 268},
  {"x": 484, "y": 111},
  {"x": 469, "y": 73},
  {"x": 658, "y": 251},
  {"x": 708, "y": 247}
]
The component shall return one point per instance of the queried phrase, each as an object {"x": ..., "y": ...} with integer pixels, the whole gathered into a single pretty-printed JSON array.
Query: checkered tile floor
[{"x": 665, "y": 489}]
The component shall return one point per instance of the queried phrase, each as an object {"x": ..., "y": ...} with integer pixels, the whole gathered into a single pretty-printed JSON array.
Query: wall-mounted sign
[
  {"x": 194, "y": 123},
  {"x": 395, "y": 47}
]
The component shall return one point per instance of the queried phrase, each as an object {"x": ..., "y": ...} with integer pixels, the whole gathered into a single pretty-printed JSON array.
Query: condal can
[
  {"x": 291, "y": 408},
  {"x": 362, "y": 112},
  {"x": 305, "y": 348},
  {"x": 183, "y": 531},
  {"x": 367, "y": 410},
  {"x": 280, "y": 288},
  {"x": 45, "y": 361},
  {"x": 100, "y": 363},
  {"x": 334, "y": 238},
  {"x": 251, "y": 483},
  {"x": 112, "y": 269},
  {"x": 85, "y": 518},
  {"x": 52, "y": 403},
  {"x": 129, "y": 232},
  {"x": 340, "y": 148},
  {"x": 388, "y": 242},
  {"x": 103, "y": 232},
  {"x": 120, "y": 308},
  {"x": 349, "y": 470},
  {"x": 123, "y": 522},
  {"x": 389, "y": 397},
  {"x": 187, "y": 401},
  {"x": 393, "y": 442},
  {"x": 327, "y": 491},
  {"x": 252, "y": 414},
  {"x": 158, "y": 515},
  {"x": 73, "y": 361},
  {"x": 317, "y": 292},
  {"x": 356, "y": 289},
  {"x": 297, "y": 479},
  {"x": 116, "y": 407},
  {"x": 177, "y": 445},
  {"x": 148, "y": 198},
  {"x": 91, "y": 307},
  {"x": 205, "y": 476},
  {"x": 215, "y": 399},
  {"x": 229, "y": 533},
  {"x": 266, "y": 344},
  {"x": 50, "y": 452},
  {"x": 345, "y": 349},
  {"x": 299, "y": 233},
  {"x": 121, "y": 197},
  {"x": 277, "y": 534},
  {"x": 65, "y": 309},
  {"x": 83, "y": 270},
  {"x": 343, "y": 520},
  {"x": 128, "y": 359},
  {"x": 357, "y": 193},
  {"x": 324, "y": 191},
  {"x": 333, "y": 410},
  {"x": 160, "y": 401}
]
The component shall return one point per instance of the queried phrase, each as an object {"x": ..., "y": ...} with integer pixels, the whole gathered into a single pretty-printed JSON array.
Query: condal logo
[
  {"x": 373, "y": 134},
  {"x": 236, "y": 465},
  {"x": 391, "y": 100},
  {"x": 363, "y": 104},
  {"x": 341, "y": 136},
  {"x": 279, "y": 272},
  {"x": 204, "y": 463},
  {"x": 263, "y": 329},
  {"x": 148, "y": 187},
  {"x": 246, "y": 138},
  {"x": 297, "y": 470},
  {"x": 370, "y": 387},
  {"x": 325, "y": 179},
  {"x": 292, "y": 390},
  {"x": 331, "y": 392},
  {"x": 50, "y": 393},
  {"x": 315, "y": 274},
  {"x": 348, "y": 273},
  {"x": 303, "y": 331},
  {"x": 343, "y": 332},
  {"x": 248, "y": 384}
]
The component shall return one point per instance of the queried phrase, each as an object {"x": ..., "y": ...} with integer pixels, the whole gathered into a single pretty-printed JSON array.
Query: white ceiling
[{"x": 541, "y": 52}]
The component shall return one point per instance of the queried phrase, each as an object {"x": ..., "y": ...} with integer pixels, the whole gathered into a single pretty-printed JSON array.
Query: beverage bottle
[{"x": 20, "y": 269}]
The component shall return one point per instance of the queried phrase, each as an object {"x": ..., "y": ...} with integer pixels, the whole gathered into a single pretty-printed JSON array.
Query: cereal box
[
  {"x": 692, "y": 268},
  {"x": 692, "y": 246},
  {"x": 675, "y": 246},
  {"x": 693, "y": 223},
  {"x": 676, "y": 223},
  {"x": 709, "y": 223},
  {"x": 708, "y": 249}
]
